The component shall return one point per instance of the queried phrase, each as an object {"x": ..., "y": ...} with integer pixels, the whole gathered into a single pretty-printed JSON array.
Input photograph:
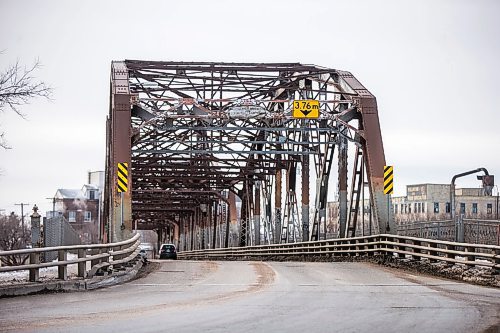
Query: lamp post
[{"x": 496, "y": 212}]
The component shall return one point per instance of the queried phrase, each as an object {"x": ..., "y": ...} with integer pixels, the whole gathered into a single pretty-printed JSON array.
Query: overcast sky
[{"x": 433, "y": 66}]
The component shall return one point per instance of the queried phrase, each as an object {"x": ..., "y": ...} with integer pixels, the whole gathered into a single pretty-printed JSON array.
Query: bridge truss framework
[{"x": 217, "y": 159}]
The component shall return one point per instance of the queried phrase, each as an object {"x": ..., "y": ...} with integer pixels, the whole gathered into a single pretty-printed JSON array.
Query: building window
[
  {"x": 409, "y": 208},
  {"x": 423, "y": 207},
  {"x": 88, "y": 216},
  {"x": 436, "y": 208},
  {"x": 92, "y": 195},
  {"x": 415, "y": 208},
  {"x": 72, "y": 216},
  {"x": 474, "y": 208},
  {"x": 395, "y": 209},
  {"x": 489, "y": 208},
  {"x": 448, "y": 209},
  {"x": 462, "y": 208}
]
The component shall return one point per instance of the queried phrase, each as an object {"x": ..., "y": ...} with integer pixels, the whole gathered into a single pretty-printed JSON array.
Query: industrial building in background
[{"x": 431, "y": 202}]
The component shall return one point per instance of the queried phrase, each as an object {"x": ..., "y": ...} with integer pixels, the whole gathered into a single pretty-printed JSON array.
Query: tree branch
[{"x": 18, "y": 87}]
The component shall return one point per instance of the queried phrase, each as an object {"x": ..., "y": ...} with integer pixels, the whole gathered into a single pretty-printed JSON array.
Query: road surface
[{"x": 197, "y": 296}]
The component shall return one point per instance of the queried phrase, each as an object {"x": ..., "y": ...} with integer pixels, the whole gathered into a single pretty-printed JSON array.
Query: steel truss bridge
[{"x": 217, "y": 159}]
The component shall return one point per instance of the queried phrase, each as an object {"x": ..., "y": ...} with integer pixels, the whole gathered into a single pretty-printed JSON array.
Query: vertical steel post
[
  {"x": 122, "y": 225},
  {"x": 342, "y": 169},
  {"x": 193, "y": 218},
  {"x": 120, "y": 150},
  {"x": 452, "y": 202},
  {"x": 362, "y": 175},
  {"x": 214, "y": 234},
  {"x": 244, "y": 216},
  {"x": 256, "y": 217},
  {"x": 231, "y": 228},
  {"x": 374, "y": 149},
  {"x": 305, "y": 185},
  {"x": 277, "y": 206}
]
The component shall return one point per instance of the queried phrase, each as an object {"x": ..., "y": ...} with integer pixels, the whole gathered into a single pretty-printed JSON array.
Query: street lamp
[{"x": 496, "y": 209}]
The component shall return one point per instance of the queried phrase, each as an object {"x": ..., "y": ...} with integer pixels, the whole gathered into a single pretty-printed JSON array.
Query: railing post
[
  {"x": 399, "y": 247},
  {"x": 450, "y": 255},
  {"x": 496, "y": 261},
  {"x": 432, "y": 253},
  {"x": 94, "y": 262},
  {"x": 34, "y": 272},
  {"x": 82, "y": 272},
  {"x": 106, "y": 259},
  {"x": 367, "y": 247},
  {"x": 389, "y": 247},
  {"x": 62, "y": 270},
  {"x": 417, "y": 243},
  {"x": 376, "y": 246},
  {"x": 470, "y": 249}
]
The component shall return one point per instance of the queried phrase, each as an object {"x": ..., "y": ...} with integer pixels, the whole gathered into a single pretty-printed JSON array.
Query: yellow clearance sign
[
  {"x": 122, "y": 177},
  {"x": 306, "y": 108},
  {"x": 388, "y": 179}
]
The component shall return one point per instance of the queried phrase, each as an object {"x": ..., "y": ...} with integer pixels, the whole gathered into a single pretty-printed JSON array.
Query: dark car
[{"x": 168, "y": 251}]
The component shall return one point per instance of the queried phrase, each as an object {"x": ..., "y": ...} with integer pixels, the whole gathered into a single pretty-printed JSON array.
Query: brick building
[{"x": 81, "y": 207}]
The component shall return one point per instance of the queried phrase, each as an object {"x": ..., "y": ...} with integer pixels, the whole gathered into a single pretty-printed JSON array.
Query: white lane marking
[{"x": 190, "y": 285}]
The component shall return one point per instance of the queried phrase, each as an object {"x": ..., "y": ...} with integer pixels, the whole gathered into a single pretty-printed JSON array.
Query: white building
[{"x": 430, "y": 202}]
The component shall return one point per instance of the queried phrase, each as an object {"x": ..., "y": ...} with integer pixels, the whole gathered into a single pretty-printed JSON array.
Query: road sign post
[
  {"x": 388, "y": 188},
  {"x": 122, "y": 187}
]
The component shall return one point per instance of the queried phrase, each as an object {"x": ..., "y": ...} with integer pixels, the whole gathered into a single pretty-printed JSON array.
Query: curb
[{"x": 31, "y": 288}]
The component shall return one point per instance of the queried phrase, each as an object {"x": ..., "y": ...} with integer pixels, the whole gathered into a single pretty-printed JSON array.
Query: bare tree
[
  {"x": 18, "y": 87},
  {"x": 13, "y": 237}
]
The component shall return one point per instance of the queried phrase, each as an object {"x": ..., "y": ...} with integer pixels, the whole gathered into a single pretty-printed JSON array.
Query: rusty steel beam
[{"x": 120, "y": 212}]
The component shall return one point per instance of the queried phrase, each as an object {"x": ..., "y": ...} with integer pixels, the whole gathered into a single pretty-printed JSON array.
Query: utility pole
[{"x": 22, "y": 213}]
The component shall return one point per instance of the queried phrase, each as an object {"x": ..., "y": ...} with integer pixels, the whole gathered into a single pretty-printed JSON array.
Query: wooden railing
[
  {"x": 102, "y": 258},
  {"x": 385, "y": 244}
]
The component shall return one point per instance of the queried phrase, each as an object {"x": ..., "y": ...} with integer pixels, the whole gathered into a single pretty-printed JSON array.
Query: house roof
[
  {"x": 87, "y": 187},
  {"x": 65, "y": 193}
]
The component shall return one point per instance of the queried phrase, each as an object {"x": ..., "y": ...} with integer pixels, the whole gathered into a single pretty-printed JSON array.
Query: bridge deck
[{"x": 188, "y": 296}]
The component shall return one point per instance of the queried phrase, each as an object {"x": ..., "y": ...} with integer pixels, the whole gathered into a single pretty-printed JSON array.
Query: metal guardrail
[
  {"x": 386, "y": 244},
  {"x": 102, "y": 257}
]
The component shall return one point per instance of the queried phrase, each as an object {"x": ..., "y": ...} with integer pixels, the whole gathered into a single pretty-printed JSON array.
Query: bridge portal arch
[{"x": 203, "y": 140}]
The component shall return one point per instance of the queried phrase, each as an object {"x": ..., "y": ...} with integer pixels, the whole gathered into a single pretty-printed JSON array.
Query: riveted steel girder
[{"x": 194, "y": 132}]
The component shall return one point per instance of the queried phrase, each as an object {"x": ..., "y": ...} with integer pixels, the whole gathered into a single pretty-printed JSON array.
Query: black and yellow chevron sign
[
  {"x": 122, "y": 177},
  {"x": 388, "y": 179}
]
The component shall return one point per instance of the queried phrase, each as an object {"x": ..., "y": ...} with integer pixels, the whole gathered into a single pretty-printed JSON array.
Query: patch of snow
[{"x": 47, "y": 273}]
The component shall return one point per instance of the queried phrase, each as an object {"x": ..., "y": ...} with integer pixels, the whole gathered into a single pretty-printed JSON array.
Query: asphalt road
[{"x": 196, "y": 296}]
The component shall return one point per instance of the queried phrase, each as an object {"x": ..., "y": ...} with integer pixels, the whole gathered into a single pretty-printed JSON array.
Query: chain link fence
[{"x": 58, "y": 232}]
